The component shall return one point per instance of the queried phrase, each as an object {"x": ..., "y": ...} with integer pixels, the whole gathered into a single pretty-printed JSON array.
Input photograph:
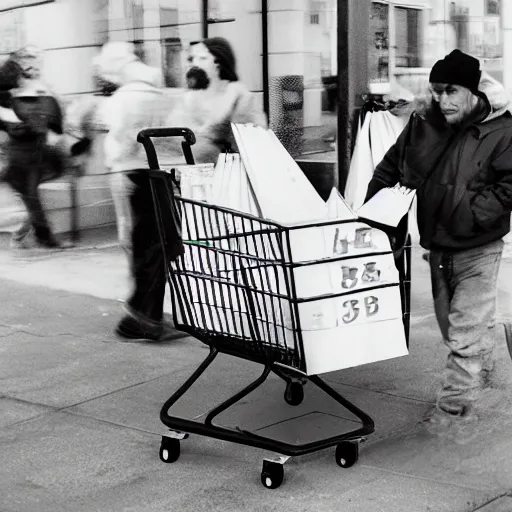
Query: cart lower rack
[{"x": 234, "y": 288}]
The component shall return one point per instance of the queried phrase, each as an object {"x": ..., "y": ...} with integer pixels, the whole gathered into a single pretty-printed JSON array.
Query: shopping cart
[{"x": 233, "y": 288}]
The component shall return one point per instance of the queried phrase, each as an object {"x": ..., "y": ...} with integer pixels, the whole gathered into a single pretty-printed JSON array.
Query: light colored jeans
[
  {"x": 464, "y": 286},
  {"x": 121, "y": 187}
]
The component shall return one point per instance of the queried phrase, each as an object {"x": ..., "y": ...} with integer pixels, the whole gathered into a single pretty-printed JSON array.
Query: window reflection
[
  {"x": 406, "y": 40},
  {"x": 303, "y": 79}
]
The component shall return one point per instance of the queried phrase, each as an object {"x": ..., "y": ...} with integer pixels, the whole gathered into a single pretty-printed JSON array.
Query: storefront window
[
  {"x": 296, "y": 79},
  {"x": 302, "y": 67},
  {"x": 407, "y": 22},
  {"x": 240, "y": 23},
  {"x": 161, "y": 31},
  {"x": 473, "y": 26},
  {"x": 407, "y": 38},
  {"x": 303, "y": 79},
  {"x": 180, "y": 24},
  {"x": 378, "y": 43}
]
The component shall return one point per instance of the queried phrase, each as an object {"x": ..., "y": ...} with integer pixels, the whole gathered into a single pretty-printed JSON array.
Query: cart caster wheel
[
  {"x": 347, "y": 454},
  {"x": 294, "y": 393},
  {"x": 272, "y": 475},
  {"x": 169, "y": 450}
]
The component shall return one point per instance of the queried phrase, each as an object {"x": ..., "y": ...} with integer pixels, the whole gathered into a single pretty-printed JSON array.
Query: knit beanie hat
[
  {"x": 224, "y": 55},
  {"x": 457, "y": 68}
]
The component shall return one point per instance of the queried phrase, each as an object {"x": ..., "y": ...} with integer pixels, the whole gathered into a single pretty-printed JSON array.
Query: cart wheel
[
  {"x": 272, "y": 474},
  {"x": 294, "y": 393},
  {"x": 347, "y": 454},
  {"x": 169, "y": 450}
]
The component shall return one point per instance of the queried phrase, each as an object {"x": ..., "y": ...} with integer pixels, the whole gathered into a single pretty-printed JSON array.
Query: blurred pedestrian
[
  {"x": 458, "y": 156},
  {"x": 30, "y": 157},
  {"x": 215, "y": 99},
  {"x": 134, "y": 105},
  {"x": 138, "y": 102}
]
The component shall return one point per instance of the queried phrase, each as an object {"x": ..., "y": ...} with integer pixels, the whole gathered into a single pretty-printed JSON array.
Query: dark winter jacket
[
  {"x": 27, "y": 151},
  {"x": 463, "y": 176}
]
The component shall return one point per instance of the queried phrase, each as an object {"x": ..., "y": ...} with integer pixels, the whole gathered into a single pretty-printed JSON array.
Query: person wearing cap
[
  {"x": 457, "y": 154},
  {"x": 138, "y": 102}
]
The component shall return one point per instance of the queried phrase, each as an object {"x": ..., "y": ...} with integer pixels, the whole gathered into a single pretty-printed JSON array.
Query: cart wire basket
[{"x": 233, "y": 288}]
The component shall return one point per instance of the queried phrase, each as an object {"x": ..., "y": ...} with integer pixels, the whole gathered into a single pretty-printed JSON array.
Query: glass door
[{"x": 378, "y": 44}]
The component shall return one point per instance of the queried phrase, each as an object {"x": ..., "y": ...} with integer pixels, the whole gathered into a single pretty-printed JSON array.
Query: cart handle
[{"x": 144, "y": 137}]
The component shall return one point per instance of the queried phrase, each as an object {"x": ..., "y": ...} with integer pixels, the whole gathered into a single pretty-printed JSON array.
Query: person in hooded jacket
[
  {"x": 139, "y": 102},
  {"x": 133, "y": 106},
  {"x": 457, "y": 154}
]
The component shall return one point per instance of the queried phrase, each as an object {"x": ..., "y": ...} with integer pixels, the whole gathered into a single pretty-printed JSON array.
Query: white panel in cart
[
  {"x": 353, "y": 345},
  {"x": 364, "y": 307},
  {"x": 345, "y": 275},
  {"x": 336, "y": 240}
]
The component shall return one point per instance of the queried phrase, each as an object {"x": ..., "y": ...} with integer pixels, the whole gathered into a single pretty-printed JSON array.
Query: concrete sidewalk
[{"x": 79, "y": 411}]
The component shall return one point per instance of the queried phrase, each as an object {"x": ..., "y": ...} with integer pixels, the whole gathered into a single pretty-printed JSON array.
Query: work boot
[
  {"x": 53, "y": 243},
  {"x": 24, "y": 243},
  {"x": 24, "y": 238},
  {"x": 460, "y": 427},
  {"x": 134, "y": 327}
]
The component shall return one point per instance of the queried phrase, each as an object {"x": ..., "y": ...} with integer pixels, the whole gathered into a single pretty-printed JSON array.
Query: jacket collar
[{"x": 489, "y": 126}]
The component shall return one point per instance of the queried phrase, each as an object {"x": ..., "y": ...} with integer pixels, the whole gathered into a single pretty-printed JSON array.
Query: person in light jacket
[{"x": 134, "y": 105}]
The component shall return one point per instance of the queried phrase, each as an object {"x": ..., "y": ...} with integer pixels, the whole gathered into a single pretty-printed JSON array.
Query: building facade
[
  {"x": 309, "y": 61},
  {"x": 287, "y": 49}
]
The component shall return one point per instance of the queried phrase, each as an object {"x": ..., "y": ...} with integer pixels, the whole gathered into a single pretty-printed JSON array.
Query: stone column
[
  {"x": 353, "y": 23},
  {"x": 286, "y": 37}
]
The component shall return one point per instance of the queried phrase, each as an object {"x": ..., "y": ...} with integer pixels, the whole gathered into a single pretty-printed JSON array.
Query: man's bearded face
[
  {"x": 455, "y": 102},
  {"x": 197, "y": 78},
  {"x": 203, "y": 67}
]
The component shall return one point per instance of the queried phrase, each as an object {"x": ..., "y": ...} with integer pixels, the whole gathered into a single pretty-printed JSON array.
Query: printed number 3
[{"x": 371, "y": 307}]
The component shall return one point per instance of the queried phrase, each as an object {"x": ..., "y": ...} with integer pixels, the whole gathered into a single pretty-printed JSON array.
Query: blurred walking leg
[
  {"x": 121, "y": 188},
  {"x": 145, "y": 305},
  {"x": 27, "y": 187}
]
